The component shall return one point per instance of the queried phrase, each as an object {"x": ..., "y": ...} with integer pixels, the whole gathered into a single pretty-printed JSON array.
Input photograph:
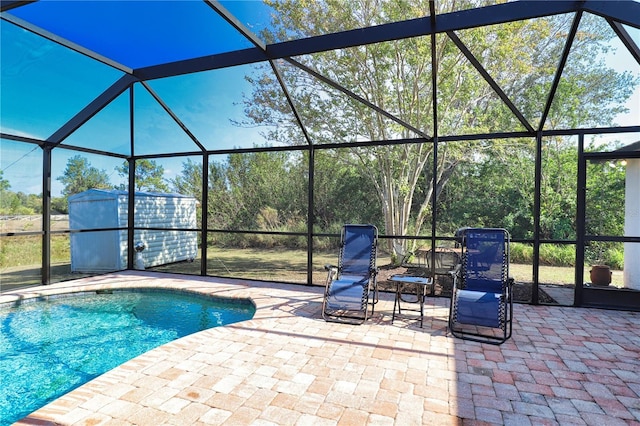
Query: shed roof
[{"x": 113, "y": 193}]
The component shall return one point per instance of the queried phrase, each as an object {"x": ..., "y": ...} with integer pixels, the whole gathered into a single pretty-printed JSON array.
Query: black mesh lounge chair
[
  {"x": 481, "y": 304},
  {"x": 442, "y": 261},
  {"x": 352, "y": 283}
]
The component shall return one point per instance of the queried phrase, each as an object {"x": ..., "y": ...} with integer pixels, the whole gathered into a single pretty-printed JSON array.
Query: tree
[
  {"x": 342, "y": 194},
  {"x": 245, "y": 186},
  {"x": 189, "y": 182},
  {"x": 6, "y": 197},
  {"x": 149, "y": 176},
  {"x": 396, "y": 76},
  {"x": 558, "y": 201},
  {"x": 251, "y": 182},
  {"x": 59, "y": 205},
  {"x": 4, "y": 183},
  {"x": 495, "y": 189},
  {"x": 79, "y": 176}
]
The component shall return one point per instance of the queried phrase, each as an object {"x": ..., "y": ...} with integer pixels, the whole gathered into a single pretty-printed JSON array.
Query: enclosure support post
[
  {"x": 310, "y": 216},
  {"x": 131, "y": 213},
  {"x": 580, "y": 221},
  {"x": 132, "y": 184},
  {"x": 434, "y": 94},
  {"x": 46, "y": 215},
  {"x": 536, "y": 220},
  {"x": 205, "y": 208}
]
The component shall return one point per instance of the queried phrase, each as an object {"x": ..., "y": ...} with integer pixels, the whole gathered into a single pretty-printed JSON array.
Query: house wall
[{"x": 631, "y": 273}]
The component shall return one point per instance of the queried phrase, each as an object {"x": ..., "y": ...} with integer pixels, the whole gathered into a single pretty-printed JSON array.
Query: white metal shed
[{"x": 106, "y": 251}]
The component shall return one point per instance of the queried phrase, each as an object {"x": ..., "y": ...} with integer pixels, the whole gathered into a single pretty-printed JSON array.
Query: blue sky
[
  {"x": 620, "y": 60},
  {"x": 43, "y": 85},
  {"x": 208, "y": 117},
  {"x": 140, "y": 33}
]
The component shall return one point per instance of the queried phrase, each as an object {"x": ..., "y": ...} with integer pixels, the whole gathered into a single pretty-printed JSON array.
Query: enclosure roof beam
[
  {"x": 64, "y": 42},
  {"x": 204, "y": 63},
  {"x": 471, "y": 18},
  {"x": 357, "y": 97},
  {"x": 93, "y": 151},
  {"x": 258, "y": 43},
  {"x": 19, "y": 138},
  {"x": 173, "y": 116},
  {"x": 490, "y": 15},
  {"x": 6, "y": 5},
  {"x": 494, "y": 85},
  {"x": 626, "y": 39},
  {"x": 625, "y": 12},
  {"x": 92, "y": 109},
  {"x": 235, "y": 23},
  {"x": 558, "y": 76},
  {"x": 292, "y": 105}
]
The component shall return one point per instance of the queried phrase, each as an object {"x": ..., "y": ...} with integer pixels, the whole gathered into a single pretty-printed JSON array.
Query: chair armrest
[
  {"x": 455, "y": 274},
  {"x": 332, "y": 272},
  {"x": 510, "y": 282}
]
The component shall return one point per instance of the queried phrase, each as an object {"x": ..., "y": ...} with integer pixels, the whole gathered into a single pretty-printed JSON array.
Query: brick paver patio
[{"x": 287, "y": 366}]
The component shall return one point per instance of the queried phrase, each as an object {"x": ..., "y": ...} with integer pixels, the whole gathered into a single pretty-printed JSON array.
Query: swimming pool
[{"x": 50, "y": 347}]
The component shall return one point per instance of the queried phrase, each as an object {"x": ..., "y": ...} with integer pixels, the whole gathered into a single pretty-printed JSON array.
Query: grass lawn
[{"x": 267, "y": 264}]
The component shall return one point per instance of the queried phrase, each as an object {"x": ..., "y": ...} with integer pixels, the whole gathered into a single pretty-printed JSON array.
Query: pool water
[{"x": 48, "y": 348}]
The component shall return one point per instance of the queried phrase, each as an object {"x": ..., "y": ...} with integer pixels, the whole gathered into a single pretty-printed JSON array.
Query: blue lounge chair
[
  {"x": 481, "y": 304},
  {"x": 351, "y": 286}
]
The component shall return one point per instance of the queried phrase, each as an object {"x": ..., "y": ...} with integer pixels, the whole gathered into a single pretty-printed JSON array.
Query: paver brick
[
  {"x": 489, "y": 415},
  {"x": 515, "y": 419},
  {"x": 532, "y": 409},
  {"x": 288, "y": 366}
]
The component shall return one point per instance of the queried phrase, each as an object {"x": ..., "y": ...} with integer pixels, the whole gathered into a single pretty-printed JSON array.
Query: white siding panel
[{"x": 107, "y": 251}]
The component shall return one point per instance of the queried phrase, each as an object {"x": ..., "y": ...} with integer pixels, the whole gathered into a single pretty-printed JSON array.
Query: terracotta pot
[{"x": 600, "y": 275}]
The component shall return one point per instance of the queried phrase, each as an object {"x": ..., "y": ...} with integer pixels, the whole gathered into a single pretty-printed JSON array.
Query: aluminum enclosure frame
[{"x": 617, "y": 13}]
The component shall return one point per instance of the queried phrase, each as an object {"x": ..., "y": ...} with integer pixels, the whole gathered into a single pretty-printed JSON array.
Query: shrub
[
  {"x": 521, "y": 253},
  {"x": 565, "y": 255},
  {"x": 550, "y": 254},
  {"x": 606, "y": 253},
  {"x": 615, "y": 258},
  {"x": 557, "y": 255}
]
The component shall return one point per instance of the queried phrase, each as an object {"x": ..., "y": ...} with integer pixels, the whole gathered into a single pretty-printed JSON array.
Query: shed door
[{"x": 97, "y": 251}]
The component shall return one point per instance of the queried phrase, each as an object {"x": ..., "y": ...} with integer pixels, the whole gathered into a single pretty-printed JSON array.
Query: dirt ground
[{"x": 31, "y": 223}]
